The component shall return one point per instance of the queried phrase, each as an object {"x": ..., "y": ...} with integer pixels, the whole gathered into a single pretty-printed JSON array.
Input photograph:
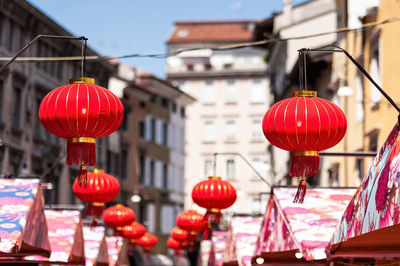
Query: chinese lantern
[
  {"x": 100, "y": 188},
  {"x": 147, "y": 241},
  {"x": 118, "y": 217},
  {"x": 174, "y": 245},
  {"x": 304, "y": 125},
  {"x": 180, "y": 235},
  {"x": 214, "y": 194},
  {"x": 193, "y": 222},
  {"x": 81, "y": 112},
  {"x": 133, "y": 232}
]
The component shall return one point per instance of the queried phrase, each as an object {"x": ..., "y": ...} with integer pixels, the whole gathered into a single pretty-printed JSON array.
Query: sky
[{"x": 121, "y": 27}]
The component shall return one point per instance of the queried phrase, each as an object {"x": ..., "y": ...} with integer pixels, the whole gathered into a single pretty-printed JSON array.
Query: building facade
[{"x": 231, "y": 89}]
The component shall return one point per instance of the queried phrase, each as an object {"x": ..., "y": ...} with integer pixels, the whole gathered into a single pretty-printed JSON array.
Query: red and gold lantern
[
  {"x": 214, "y": 194},
  {"x": 174, "y": 245},
  {"x": 100, "y": 188},
  {"x": 193, "y": 222},
  {"x": 118, "y": 217},
  {"x": 81, "y": 112},
  {"x": 147, "y": 241},
  {"x": 180, "y": 235},
  {"x": 133, "y": 231},
  {"x": 304, "y": 125}
]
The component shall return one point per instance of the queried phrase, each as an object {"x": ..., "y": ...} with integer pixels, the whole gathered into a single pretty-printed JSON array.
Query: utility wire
[{"x": 219, "y": 48}]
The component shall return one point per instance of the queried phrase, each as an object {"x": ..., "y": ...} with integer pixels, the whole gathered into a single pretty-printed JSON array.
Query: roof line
[{"x": 186, "y": 22}]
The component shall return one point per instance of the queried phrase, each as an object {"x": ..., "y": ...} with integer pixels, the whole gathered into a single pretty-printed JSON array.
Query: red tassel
[
  {"x": 94, "y": 223},
  {"x": 132, "y": 243},
  {"x": 306, "y": 165},
  {"x": 118, "y": 231},
  {"x": 94, "y": 209},
  {"x": 301, "y": 191},
  {"x": 82, "y": 175},
  {"x": 213, "y": 216},
  {"x": 78, "y": 151},
  {"x": 206, "y": 232},
  {"x": 192, "y": 237}
]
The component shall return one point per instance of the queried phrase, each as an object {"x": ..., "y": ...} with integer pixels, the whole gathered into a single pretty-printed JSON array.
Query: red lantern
[
  {"x": 304, "y": 125},
  {"x": 174, "y": 245},
  {"x": 214, "y": 194},
  {"x": 179, "y": 234},
  {"x": 100, "y": 188},
  {"x": 81, "y": 112},
  {"x": 133, "y": 231},
  {"x": 118, "y": 217},
  {"x": 193, "y": 222},
  {"x": 147, "y": 241}
]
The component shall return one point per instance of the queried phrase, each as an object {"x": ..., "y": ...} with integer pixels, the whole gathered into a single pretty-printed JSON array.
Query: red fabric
[
  {"x": 133, "y": 231},
  {"x": 191, "y": 220},
  {"x": 304, "y": 124},
  {"x": 100, "y": 187},
  {"x": 147, "y": 241},
  {"x": 304, "y": 165},
  {"x": 214, "y": 194},
  {"x": 179, "y": 234},
  {"x": 118, "y": 216}
]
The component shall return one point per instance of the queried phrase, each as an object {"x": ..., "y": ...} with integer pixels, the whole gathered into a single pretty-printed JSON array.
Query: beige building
[{"x": 231, "y": 89}]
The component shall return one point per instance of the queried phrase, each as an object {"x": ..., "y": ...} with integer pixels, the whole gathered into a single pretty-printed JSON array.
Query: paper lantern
[
  {"x": 118, "y": 217},
  {"x": 179, "y": 234},
  {"x": 214, "y": 194},
  {"x": 81, "y": 112},
  {"x": 304, "y": 125},
  {"x": 193, "y": 222},
  {"x": 174, "y": 244},
  {"x": 100, "y": 188},
  {"x": 147, "y": 241},
  {"x": 133, "y": 231}
]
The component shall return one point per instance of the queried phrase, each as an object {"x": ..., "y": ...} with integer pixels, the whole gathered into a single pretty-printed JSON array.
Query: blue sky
[{"x": 119, "y": 27}]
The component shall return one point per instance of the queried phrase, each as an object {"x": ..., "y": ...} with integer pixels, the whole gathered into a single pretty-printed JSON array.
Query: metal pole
[
  {"x": 348, "y": 154},
  {"x": 82, "y": 38}
]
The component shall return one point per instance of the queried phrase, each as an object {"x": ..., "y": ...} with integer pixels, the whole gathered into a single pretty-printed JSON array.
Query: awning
[
  {"x": 66, "y": 238},
  {"x": 241, "y": 240},
  {"x": 218, "y": 246},
  {"x": 23, "y": 227},
  {"x": 370, "y": 225},
  {"x": 289, "y": 228}
]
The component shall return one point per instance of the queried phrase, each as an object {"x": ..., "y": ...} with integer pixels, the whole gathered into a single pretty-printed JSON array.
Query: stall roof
[
  {"x": 117, "y": 251},
  {"x": 372, "y": 217},
  {"x": 304, "y": 228},
  {"x": 95, "y": 245},
  {"x": 241, "y": 240},
  {"x": 23, "y": 227}
]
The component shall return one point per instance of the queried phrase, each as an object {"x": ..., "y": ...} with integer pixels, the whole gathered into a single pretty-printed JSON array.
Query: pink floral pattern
[
  {"x": 376, "y": 203},
  {"x": 95, "y": 245},
  {"x": 218, "y": 246},
  {"x": 306, "y": 227}
]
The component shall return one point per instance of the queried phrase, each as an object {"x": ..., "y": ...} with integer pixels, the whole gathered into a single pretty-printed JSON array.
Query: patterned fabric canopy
[
  {"x": 241, "y": 239},
  {"x": 304, "y": 227},
  {"x": 23, "y": 227},
  {"x": 374, "y": 211},
  {"x": 218, "y": 246}
]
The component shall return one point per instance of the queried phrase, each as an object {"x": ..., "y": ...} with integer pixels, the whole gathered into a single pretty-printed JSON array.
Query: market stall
[
  {"x": 117, "y": 251},
  {"x": 218, "y": 246},
  {"x": 241, "y": 239},
  {"x": 370, "y": 227},
  {"x": 297, "y": 233},
  {"x": 95, "y": 245},
  {"x": 23, "y": 227}
]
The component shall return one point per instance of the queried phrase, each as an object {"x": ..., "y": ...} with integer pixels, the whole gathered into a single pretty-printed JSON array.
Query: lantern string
[{"x": 218, "y": 48}]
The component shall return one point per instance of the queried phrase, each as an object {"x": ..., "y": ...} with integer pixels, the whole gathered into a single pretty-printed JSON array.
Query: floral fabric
[
  {"x": 218, "y": 246},
  {"x": 376, "y": 204},
  {"x": 95, "y": 245},
  {"x": 205, "y": 249},
  {"x": 308, "y": 226}
]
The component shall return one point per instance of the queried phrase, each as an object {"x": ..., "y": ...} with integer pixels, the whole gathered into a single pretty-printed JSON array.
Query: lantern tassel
[
  {"x": 94, "y": 223},
  {"x": 301, "y": 191},
  {"x": 302, "y": 163},
  {"x": 206, "y": 232},
  {"x": 213, "y": 216},
  {"x": 81, "y": 149},
  {"x": 82, "y": 175},
  {"x": 94, "y": 209}
]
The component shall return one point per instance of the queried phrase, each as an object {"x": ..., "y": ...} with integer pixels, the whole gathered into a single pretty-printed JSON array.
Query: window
[
  {"x": 373, "y": 140},
  {"x": 152, "y": 173},
  {"x": 16, "y": 108},
  {"x": 173, "y": 107},
  {"x": 152, "y": 130},
  {"x": 124, "y": 164},
  {"x": 165, "y": 176},
  {"x": 164, "y": 134},
  {"x": 10, "y": 37},
  {"x": 164, "y": 102},
  {"x": 360, "y": 170},
  {"x": 260, "y": 163},
  {"x": 208, "y": 167},
  {"x": 230, "y": 133},
  {"x": 208, "y": 131},
  {"x": 142, "y": 165},
  {"x": 359, "y": 98},
  {"x": 231, "y": 93},
  {"x": 1, "y": 93},
  {"x": 256, "y": 129},
  {"x": 142, "y": 129},
  {"x": 257, "y": 92},
  {"x": 167, "y": 218},
  {"x": 209, "y": 92},
  {"x": 375, "y": 72},
  {"x": 230, "y": 169},
  {"x": 124, "y": 124},
  {"x": 333, "y": 175},
  {"x": 182, "y": 111},
  {"x": 151, "y": 217}
]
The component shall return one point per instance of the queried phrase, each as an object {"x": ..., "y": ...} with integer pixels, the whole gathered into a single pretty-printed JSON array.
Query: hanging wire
[
  {"x": 83, "y": 56},
  {"x": 300, "y": 71}
]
